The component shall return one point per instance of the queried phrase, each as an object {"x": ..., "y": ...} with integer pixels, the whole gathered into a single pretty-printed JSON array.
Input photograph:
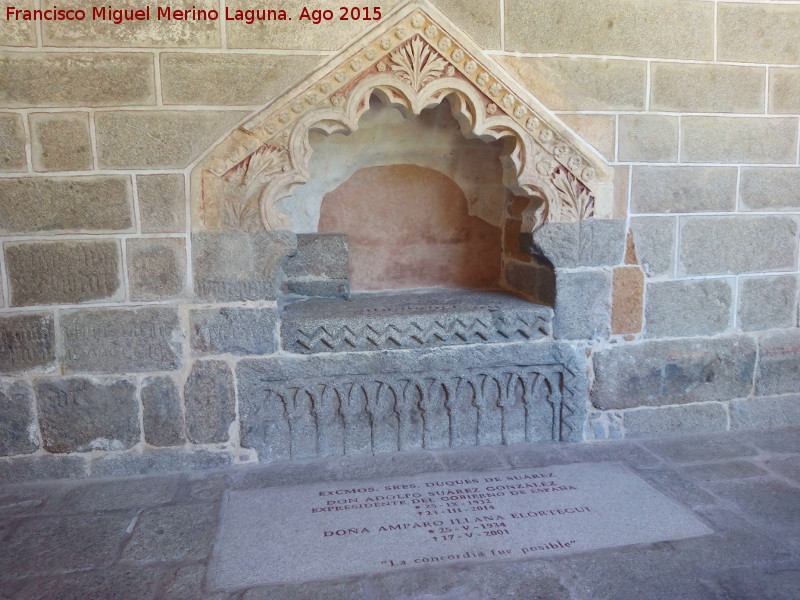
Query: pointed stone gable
[{"x": 413, "y": 59}]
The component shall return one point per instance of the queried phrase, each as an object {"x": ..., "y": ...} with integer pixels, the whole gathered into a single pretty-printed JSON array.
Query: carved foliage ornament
[{"x": 414, "y": 58}]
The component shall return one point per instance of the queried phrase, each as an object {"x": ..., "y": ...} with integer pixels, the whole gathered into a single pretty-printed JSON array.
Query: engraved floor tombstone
[
  {"x": 325, "y": 531},
  {"x": 160, "y": 537}
]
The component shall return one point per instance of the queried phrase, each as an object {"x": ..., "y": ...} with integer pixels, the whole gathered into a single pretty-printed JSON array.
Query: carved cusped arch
[{"x": 413, "y": 59}]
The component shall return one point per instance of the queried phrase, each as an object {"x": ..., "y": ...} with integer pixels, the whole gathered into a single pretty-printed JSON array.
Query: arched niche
[{"x": 413, "y": 59}]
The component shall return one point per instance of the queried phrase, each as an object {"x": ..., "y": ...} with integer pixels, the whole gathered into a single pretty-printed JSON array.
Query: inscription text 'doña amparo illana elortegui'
[{"x": 308, "y": 532}]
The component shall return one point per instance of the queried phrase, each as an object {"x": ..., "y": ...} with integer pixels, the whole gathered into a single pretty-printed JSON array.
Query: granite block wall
[{"x": 118, "y": 325}]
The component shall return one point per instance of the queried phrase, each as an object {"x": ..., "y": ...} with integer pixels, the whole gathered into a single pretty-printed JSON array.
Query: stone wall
[{"x": 116, "y": 354}]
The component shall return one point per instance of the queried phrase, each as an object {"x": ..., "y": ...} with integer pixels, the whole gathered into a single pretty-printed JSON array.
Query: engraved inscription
[
  {"x": 62, "y": 272},
  {"x": 370, "y": 526},
  {"x": 26, "y": 342},
  {"x": 121, "y": 340}
]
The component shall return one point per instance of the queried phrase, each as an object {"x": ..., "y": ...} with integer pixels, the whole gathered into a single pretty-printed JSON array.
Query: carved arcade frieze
[{"x": 413, "y": 60}]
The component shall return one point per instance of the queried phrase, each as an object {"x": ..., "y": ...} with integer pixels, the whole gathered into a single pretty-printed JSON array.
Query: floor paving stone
[
  {"x": 173, "y": 533},
  {"x": 26, "y": 499},
  {"x": 777, "y": 582},
  {"x": 734, "y": 469},
  {"x": 687, "y": 449},
  {"x": 641, "y": 573},
  {"x": 780, "y": 441},
  {"x": 151, "y": 537},
  {"x": 786, "y": 467},
  {"x": 119, "y": 584},
  {"x": 59, "y": 544},
  {"x": 347, "y": 590},
  {"x": 769, "y": 502},
  {"x": 116, "y": 495},
  {"x": 185, "y": 583}
]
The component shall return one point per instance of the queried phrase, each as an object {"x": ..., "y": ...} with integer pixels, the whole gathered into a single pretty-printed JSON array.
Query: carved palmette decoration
[
  {"x": 346, "y": 415},
  {"x": 415, "y": 57},
  {"x": 573, "y": 200}
]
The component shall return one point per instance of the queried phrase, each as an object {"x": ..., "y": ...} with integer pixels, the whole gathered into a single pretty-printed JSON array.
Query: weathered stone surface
[
  {"x": 783, "y": 87},
  {"x": 121, "y": 340},
  {"x": 35, "y": 468},
  {"x": 117, "y": 583},
  {"x": 583, "y": 304},
  {"x": 768, "y": 412},
  {"x": 320, "y": 266},
  {"x": 210, "y": 400},
  {"x": 535, "y": 281},
  {"x": 688, "y": 307},
  {"x": 161, "y": 203},
  {"x": 77, "y": 79},
  {"x": 694, "y": 449},
  {"x": 164, "y": 460},
  {"x": 163, "y": 139},
  {"x": 581, "y": 83},
  {"x": 758, "y": 33},
  {"x": 17, "y": 33},
  {"x": 767, "y": 302},
  {"x": 188, "y": 32},
  {"x": 162, "y": 413},
  {"x": 676, "y": 29},
  {"x": 63, "y": 272},
  {"x": 186, "y": 583},
  {"x": 598, "y": 130},
  {"x": 156, "y": 268},
  {"x": 44, "y": 204},
  {"x": 12, "y": 142},
  {"x": 778, "y": 363},
  {"x": 173, "y": 533},
  {"x": 735, "y": 469},
  {"x": 770, "y": 188},
  {"x": 686, "y": 87},
  {"x": 407, "y": 321},
  {"x": 590, "y": 243},
  {"x": 234, "y": 330},
  {"x": 654, "y": 238},
  {"x": 781, "y": 441},
  {"x": 61, "y": 142},
  {"x": 78, "y": 415},
  {"x": 683, "y": 189},
  {"x": 693, "y": 418},
  {"x": 18, "y": 425},
  {"x": 232, "y": 266},
  {"x": 657, "y": 373},
  {"x": 499, "y": 581},
  {"x": 773, "y": 504},
  {"x": 333, "y": 404},
  {"x": 65, "y": 543},
  {"x": 648, "y": 138},
  {"x": 116, "y": 495},
  {"x": 739, "y": 139},
  {"x": 27, "y": 342},
  {"x": 229, "y": 79},
  {"x": 627, "y": 304},
  {"x": 728, "y": 245}
]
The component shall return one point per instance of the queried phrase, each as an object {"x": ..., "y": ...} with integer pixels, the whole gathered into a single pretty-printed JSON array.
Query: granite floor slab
[{"x": 160, "y": 537}]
